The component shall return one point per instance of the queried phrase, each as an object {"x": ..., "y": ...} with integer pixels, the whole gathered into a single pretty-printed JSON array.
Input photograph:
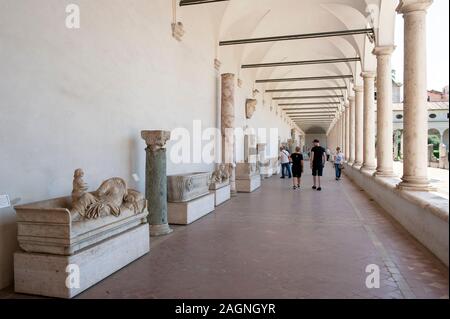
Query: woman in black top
[{"x": 297, "y": 167}]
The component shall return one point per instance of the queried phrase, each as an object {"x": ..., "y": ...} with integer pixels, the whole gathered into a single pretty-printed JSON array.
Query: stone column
[
  {"x": 156, "y": 181},
  {"x": 401, "y": 144},
  {"x": 359, "y": 124},
  {"x": 369, "y": 121},
  {"x": 227, "y": 126},
  {"x": 342, "y": 131},
  {"x": 347, "y": 131},
  {"x": 415, "y": 123},
  {"x": 339, "y": 132},
  {"x": 351, "y": 131},
  {"x": 342, "y": 146},
  {"x": 384, "y": 111}
]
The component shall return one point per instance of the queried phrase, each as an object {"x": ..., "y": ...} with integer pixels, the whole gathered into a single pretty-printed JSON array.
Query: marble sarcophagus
[
  {"x": 186, "y": 187},
  {"x": 71, "y": 243},
  {"x": 189, "y": 197},
  {"x": 49, "y": 227}
]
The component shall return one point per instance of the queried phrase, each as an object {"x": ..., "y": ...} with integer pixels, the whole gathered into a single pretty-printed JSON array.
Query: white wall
[{"x": 79, "y": 98}]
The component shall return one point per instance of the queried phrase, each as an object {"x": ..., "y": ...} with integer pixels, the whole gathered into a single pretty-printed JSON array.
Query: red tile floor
[{"x": 281, "y": 243}]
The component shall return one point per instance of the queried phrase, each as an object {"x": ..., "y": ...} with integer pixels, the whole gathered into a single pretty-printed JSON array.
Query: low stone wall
[{"x": 424, "y": 215}]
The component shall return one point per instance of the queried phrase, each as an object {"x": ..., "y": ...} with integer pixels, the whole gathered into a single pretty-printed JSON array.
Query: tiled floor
[{"x": 281, "y": 243}]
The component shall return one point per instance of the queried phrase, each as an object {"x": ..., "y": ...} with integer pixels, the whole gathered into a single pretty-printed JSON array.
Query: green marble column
[{"x": 156, "y": 181}]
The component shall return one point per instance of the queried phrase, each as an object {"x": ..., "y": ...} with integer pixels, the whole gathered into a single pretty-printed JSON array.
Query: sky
[{"x": 437, "y": 48}]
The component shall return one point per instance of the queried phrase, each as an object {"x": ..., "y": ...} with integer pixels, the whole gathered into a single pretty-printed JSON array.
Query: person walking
[
  {"x": 328, "y": 152},
  {"x": 284, "y": 159},
  {"x": 338, "y": 163},
  {"x": 297, "y": 167},
  {"x": 317, "y": 163}
]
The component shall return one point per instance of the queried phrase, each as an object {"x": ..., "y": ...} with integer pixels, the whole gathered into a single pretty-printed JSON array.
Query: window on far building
[
  {"x": 399, "y": 116},
  {"x": 432, "y": 116}
]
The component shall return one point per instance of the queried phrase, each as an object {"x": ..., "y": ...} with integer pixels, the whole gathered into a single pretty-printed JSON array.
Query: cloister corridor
[{"x": 281, "y": 243}]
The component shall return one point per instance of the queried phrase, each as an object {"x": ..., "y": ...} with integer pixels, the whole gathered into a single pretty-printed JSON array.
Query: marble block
[
  {"x": 246, "y": 170},
  {"x": 248, "y": 185},
  {"x": 49, "y": 227},
  {"x": 266, "y": 171},
  {"x": 187, "y": 212},
  {"x": 48, "y": 275},
  {"x": 222, "y": 194},
  {"x": 186, "y": 187}
]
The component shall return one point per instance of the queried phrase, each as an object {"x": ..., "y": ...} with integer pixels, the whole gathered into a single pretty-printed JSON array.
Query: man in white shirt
[{"x": 284, "y": 159}]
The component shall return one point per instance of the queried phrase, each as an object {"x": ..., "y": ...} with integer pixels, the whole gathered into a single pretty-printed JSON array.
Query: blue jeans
[
  {"x": 338, "y": 170},
  {"x": 286, "y": 166}
]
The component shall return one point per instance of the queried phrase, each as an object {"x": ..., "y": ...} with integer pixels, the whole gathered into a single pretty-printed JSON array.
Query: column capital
[
  {"x": 407, "y": 6},
  {"x": 358, "y": 89},
  {"x": 384, "y": 50},
  {"x": 346, "y": 105},
  {"x": 351, "y": 98},
  {"x": 368, "y": 74},
  {"x": 155, "y": 139}
]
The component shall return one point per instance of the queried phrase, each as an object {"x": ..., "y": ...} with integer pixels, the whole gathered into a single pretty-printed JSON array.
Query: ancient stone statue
[
  {"x": 250, "y": 108},
  {"x": 220, "y": 175},
  {"x": 109, "y": 199}
]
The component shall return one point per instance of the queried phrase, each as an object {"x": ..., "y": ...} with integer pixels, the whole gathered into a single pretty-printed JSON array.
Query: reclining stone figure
[{"x": 109, "y": 199}]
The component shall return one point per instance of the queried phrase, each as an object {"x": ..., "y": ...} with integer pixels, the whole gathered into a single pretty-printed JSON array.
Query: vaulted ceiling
[{"x": 310, "y": 71}]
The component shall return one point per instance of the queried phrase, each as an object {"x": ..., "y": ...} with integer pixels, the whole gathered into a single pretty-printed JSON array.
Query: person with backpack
[
  {"x": 317, "y": 163},
  {"x": 285, "y": 164}
]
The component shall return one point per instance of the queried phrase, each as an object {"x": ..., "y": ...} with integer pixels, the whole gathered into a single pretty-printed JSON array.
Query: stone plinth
[
  {"x": 184, "y": 213},
  {"x": 186, "y": 187},
  {"x": 222, "y": 194},
  {"x": 48, "y": 275},
  {"x": 248, "y": 185},
  {"x": 248, "y": 178},
  {"x": 246, "y": 170},
  {"x": 265, "y": 170},
  {"x": 274, "y": 164}
]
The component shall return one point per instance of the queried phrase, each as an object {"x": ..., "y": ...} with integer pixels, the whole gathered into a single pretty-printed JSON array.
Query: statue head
[{"x": 78, "y": 173}]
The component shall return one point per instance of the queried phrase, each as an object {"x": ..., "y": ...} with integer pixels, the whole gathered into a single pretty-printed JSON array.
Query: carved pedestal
[
  {"x": 189, "y": 198},
  {"x": 222, "y": 192},
  {"x": 64, "y": 254},
  {"x": 248, "y": 178},
  {"x": 220, "y": 184},
  {"x": 66, "y": 276},
  {"x": 265, "y": 170}
]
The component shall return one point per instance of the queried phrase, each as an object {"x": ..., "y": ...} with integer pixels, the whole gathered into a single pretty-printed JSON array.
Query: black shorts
[
  {"x": 296, "y": 171},
  {"x": 317, "y": 170}
]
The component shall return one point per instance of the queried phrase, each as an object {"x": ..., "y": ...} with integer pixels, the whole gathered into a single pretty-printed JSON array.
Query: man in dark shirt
[
  {"x": 318, "y": 158},
  {"x": 297, "y": 167}
]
